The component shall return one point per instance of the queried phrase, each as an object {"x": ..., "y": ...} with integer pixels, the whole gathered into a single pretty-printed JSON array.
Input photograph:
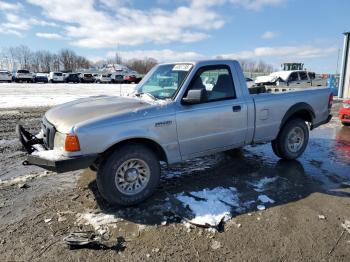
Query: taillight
[
  {"x": 72, "y": 143},
  {"x": 330, "y": 101}
]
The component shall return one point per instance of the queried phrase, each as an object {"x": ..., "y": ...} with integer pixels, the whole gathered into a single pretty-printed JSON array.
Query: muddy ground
[{"x": 312, "y": 200}]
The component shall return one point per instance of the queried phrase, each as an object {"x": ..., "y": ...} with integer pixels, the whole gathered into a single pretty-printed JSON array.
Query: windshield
[{"x": 164, "y": 81}]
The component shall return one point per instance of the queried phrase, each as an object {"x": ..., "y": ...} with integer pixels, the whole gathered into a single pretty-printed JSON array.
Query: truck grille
[{"x": 49, "y": 133}]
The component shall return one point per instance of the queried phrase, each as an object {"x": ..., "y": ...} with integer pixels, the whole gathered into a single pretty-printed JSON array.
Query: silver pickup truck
[{"x": 179, "y": 111}]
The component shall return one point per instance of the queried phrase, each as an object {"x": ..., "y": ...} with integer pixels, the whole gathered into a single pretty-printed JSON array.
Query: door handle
[{"x": 236, "y": 108}]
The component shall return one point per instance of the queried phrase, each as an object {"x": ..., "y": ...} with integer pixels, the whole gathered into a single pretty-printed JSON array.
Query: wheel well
[
  {"x": 300, "y": 110},
  {"x": 303, "y": 114},
  {"x": 154, "y": 146}
]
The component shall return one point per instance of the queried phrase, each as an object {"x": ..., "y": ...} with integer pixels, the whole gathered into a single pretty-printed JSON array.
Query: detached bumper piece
[{"x": 60, "y": 165}]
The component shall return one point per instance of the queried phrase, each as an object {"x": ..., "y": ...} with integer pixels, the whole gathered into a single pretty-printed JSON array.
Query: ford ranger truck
[{"x": 178, "y": 111}]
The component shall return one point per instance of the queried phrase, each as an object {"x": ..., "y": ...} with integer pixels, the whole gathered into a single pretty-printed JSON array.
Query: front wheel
[
  {"x": 292, "y": 140},
  {"x": 129, "y": 175}
]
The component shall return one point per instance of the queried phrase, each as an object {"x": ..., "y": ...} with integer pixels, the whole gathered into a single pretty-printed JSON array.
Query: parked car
[
  {"x": 344, "y": 113},
  {"x": 5, "y": 76},
  {"x": 132, "y": 78},
  {"x": 41, "y": 77},
  {"x": 291, "y": 79},
  {"x": 23, "y": 75},
  {"x": 117, "y": 78},
  {"x": 72, "y": 78},
  {"x": 56, "y": 77},
  {"x": 104, "y": 78},
  {"x": 125, "y": 138},
  {"x": 86, "y": 78}
]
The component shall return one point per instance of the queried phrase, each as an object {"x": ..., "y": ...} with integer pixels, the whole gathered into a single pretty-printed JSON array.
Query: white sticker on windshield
[{"x": 182, "y": 67}]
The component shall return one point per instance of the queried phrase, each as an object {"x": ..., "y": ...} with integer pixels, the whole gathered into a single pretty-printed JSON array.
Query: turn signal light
[{"x": 72, "y": 143}]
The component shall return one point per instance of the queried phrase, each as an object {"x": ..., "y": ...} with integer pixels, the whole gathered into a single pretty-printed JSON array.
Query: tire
[
  {"x": 275, "y": 149},
  {"x": 292, "y": 140},
  {"x": 114, "y": 163},
  {"x": 345, "y": 124}
]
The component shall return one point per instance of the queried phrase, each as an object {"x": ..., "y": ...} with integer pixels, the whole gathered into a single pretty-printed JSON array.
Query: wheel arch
[
  {"x": 301, "y": 110},
  {"x": 149, "y": 143}
]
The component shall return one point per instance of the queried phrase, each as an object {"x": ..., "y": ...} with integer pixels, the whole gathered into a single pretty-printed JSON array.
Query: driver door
[{"x": 218, "y": 122}]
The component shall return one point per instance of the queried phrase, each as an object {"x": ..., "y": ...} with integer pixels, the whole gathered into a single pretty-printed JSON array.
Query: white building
[{"x": 344, "y": 81}]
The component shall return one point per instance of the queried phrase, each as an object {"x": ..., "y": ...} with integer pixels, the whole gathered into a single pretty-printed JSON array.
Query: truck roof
[{"x": 209, "y": 61}]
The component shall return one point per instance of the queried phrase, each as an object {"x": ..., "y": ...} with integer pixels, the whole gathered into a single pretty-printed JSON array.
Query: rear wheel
[
  {"x": 292, "y": 139},
  {"x": 129, "y": 175}
]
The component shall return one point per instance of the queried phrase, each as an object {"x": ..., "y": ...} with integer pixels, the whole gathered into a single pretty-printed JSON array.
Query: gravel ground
[{"x": 38, "y": 208}]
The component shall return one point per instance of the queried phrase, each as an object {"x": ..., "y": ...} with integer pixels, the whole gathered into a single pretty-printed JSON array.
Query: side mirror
[{"x": 195, "y": 96}]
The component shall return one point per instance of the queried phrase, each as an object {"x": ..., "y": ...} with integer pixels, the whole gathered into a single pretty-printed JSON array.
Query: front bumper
[{"x": 63, "y": 164}]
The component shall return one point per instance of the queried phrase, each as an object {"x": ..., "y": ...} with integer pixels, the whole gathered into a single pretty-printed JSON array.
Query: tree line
[{"x": 22, "y": 57}]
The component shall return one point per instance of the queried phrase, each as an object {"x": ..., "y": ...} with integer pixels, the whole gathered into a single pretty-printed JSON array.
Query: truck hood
[{"x": 64, "y": 117}]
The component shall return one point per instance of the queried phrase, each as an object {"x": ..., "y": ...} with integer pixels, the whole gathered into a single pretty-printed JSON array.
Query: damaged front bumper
[{"x": 62, "y": 164}]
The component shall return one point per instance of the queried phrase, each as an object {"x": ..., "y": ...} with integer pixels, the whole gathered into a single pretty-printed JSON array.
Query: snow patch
[
  {"x": 10, "y": 142},
  {"x": 210, "y": 206},
  {"x": 261, "y": 207},
  {"x": 265, "y": 199},
  {"x": 15, "y": 95},
  {"x": 259, "y": 186},
  {"x": 38, "y": 147},
  {"x": 51, "y": 155},
  {"x": 346, "y": 225},
  {"x": 98, "y": 221},
  {"x": 23, "y": 179}
]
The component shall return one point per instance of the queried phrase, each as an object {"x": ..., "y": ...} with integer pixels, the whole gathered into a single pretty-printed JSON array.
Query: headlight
[
  {"x": 345, "y": 105},
  {"x": 59, "y": 141}
]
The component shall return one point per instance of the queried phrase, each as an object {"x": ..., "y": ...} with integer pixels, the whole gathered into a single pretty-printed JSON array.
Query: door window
[
  {"x": 312, "y": 75},
  {"x": 303, "y": 76},
  {"x": 293, "y": 77},
  {"x": 216, "y": 80}
]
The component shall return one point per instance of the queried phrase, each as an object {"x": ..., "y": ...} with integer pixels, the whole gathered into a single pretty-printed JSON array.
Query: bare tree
[
  {"x": 142, "y": 65},
  {"x": 23, "y": 56},
  {"x": 255, "y": 67},
  {"x": 5, "y": 59},
  {"x": 68, "y": 59},
  {"x": 46, "y": 61}
]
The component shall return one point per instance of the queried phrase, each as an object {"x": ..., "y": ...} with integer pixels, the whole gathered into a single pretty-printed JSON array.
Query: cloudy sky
[{"x": 270, "y": 30}]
